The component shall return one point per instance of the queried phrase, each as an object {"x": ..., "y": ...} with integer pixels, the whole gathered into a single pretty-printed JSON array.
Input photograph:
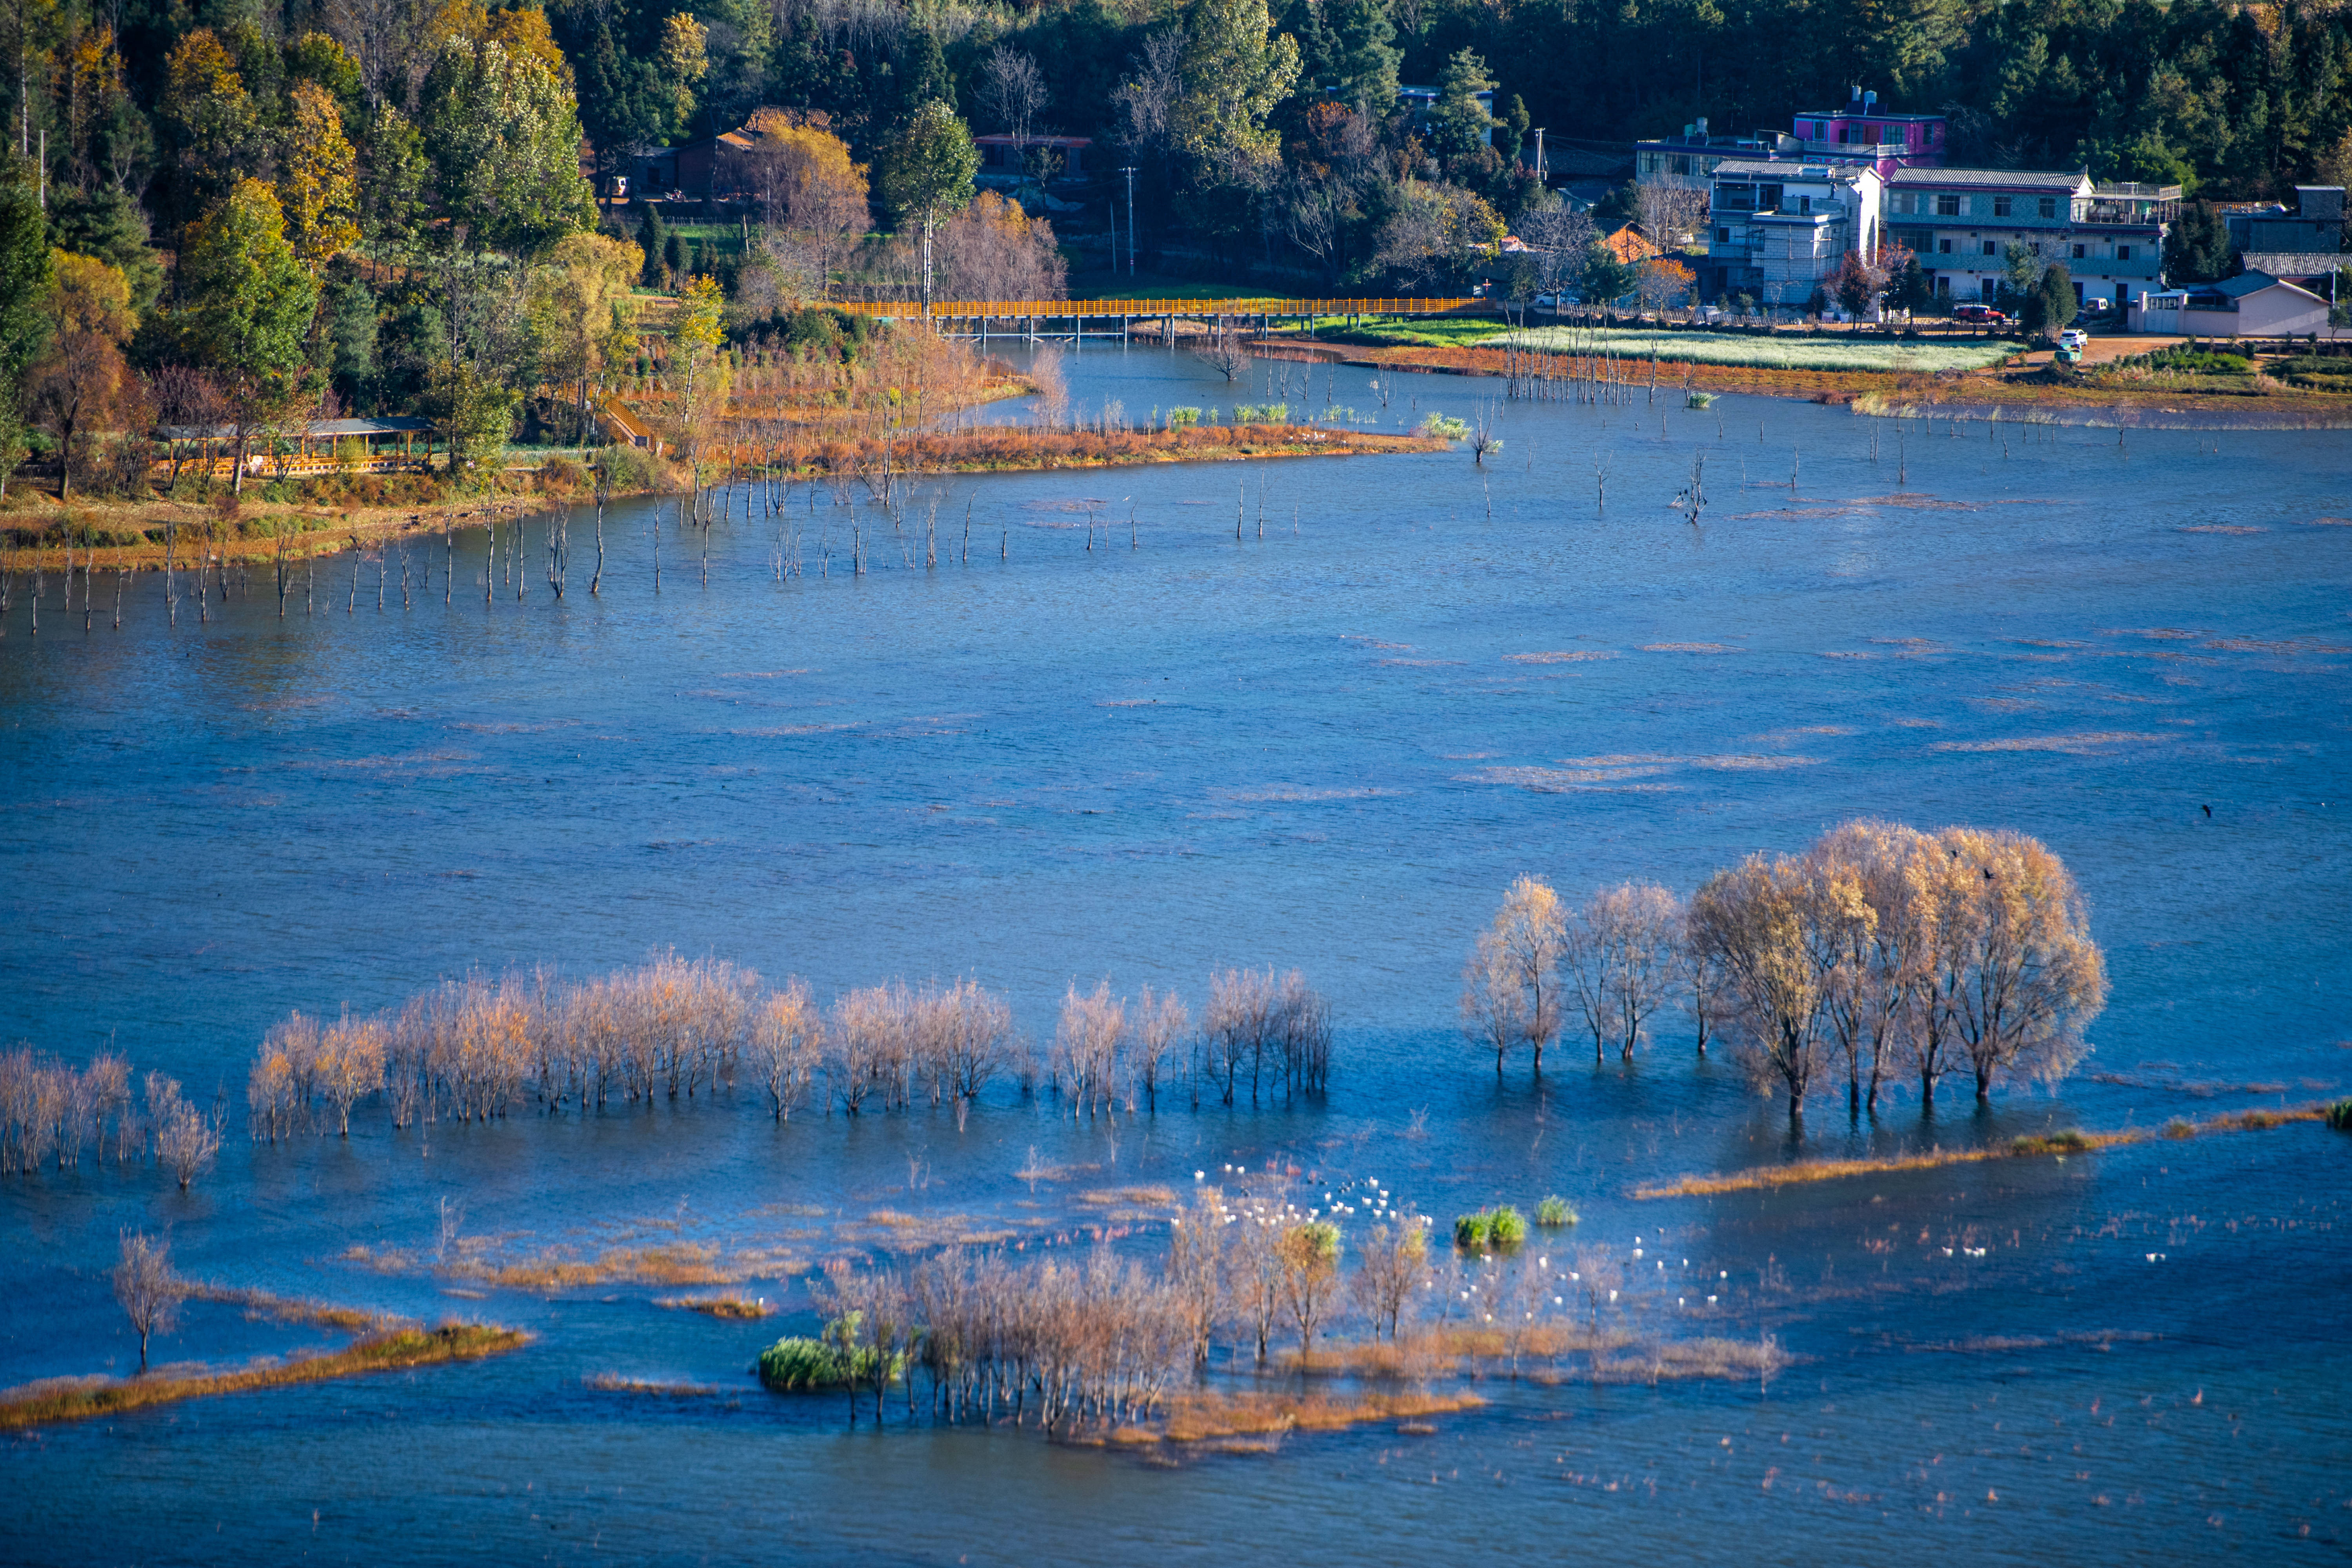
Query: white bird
[{"x": 1710, "y": 1300}]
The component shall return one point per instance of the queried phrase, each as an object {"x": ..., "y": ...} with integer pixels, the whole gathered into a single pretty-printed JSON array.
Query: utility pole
[{"x": 1130, "y": 171}]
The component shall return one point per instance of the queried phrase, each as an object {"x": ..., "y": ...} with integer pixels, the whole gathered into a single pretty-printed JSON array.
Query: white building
[
  {"x": 1781, "y": 230},
  {"x": 1961, "y": 223}
]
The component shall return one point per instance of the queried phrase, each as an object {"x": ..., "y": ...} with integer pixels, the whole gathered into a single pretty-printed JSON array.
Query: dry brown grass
[
  {"x": 719, "y": 1306},
  {"x": 673, "y": 1263},
  {"x": 1610, "y": 1354},
  {"x": 294, "y": 1310},
  {"x": 1215, "y": 1418},
  {"x": 2059, "y": 1144},
  {"x": 78, "y": 1399},
  {"x": 614, "y": 1383}
]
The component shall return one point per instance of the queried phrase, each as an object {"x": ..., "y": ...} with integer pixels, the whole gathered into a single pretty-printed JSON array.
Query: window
[
  {"x": 2050, "y": 206},
  {"x": 1943, "y": 248},
  {"x": 1723, "y": 236},
  {"x": 1767, "y": 198},
  {"x": 2000, "y": 207},
  {"x": 2081, "y": 251},
  {"x": 2123, "y": 253},
  {"x": 1804, "y": 205},
  {"x": 1988, "y": 248},
  {"x": 1948, "y": 205}
]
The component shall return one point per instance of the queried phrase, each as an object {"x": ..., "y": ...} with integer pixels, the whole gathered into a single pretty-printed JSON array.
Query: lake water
[{"x": 1321, "y": 744}]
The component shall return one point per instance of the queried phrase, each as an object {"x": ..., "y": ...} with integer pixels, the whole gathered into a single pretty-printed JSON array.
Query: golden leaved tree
[{"x": 318, "y": 186}]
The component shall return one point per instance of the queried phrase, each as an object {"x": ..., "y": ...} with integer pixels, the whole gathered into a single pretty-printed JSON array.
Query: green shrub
[
  {"x": 1490, "y": 1231},
  {"x": 631, "y": 469},
  {"x": 794, "y": 1364},
  {"x": 1553, "y": 1213},
  {"x": 1323, "y": 1233},
  {"x": 2195, "y": 362},
  {"x": 2340, "y": 1116},
  {"x": 2070, "y": 1141},
  {"x": 1698, "y": 400},
  {"x": 1444, "y": 428}
]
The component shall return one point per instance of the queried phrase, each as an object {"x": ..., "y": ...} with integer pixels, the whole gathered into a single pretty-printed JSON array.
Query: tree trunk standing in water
[
  {"x": 149, "y": 1292},
  {"x": 449, "y": 565},
  {"x": 656, "y": 520},
  {"x": 352, "y": 605},
  {"x": 603, "y": 494},
  {"x": 282, "y": 582}
]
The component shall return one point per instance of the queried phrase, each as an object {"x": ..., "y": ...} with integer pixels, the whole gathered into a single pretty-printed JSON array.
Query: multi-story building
[
  {"x": 1859, "y": 134},
  {"x": 1780, "y": 230},
  {"x": 1961, "y": 223}
]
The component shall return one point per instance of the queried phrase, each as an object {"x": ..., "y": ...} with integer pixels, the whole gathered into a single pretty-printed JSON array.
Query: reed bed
[
  {"x": 80, "y": 1399},
  {"x": 614, "y": 1383},
  {"x": 730, "y": 1307},
  {"x": 1208, "y": 1416},
  {"x": 2059, "y": 1144}
]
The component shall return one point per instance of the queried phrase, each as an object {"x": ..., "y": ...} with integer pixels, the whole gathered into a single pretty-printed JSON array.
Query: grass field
[{"x": 1832, "y": 350}]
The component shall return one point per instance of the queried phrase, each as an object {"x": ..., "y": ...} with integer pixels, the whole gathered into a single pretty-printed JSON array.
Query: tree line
[
  {"x": 676, "y": 1029},
  {"x": 50, "y": 1110},
  {"x": 1879, "y": 954}
]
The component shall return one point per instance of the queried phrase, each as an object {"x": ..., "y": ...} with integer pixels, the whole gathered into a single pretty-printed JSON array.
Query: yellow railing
[{"x": 975, "y": 310}]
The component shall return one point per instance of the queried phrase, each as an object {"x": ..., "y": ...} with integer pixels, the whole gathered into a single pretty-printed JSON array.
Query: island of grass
[{"x": 396, "y": 1349}]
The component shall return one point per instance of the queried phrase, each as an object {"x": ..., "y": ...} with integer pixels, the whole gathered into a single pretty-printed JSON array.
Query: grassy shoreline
[
  {"x": 2059, "y": 1144},
  {"x": 398, "y": 1350},
  {"x": 319, "y": 529},
  {"x": 1990, "y": 394}
]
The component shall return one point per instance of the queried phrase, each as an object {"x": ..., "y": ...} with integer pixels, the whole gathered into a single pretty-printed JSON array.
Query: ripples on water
[{"x": 1330, "y": 748}]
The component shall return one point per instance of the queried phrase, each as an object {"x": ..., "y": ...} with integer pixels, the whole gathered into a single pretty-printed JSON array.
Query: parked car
[
  {"x": 2074, "y": 338},
  {"x": 1982, "y": 314}
]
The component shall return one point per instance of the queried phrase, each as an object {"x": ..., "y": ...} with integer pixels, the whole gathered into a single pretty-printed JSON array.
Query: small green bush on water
[
  {"x": 1444, "y": 428},
  {"x": 1698, "y": 400},
  {"x": 1553, "y": 1213},
  {"x": 1180, "y": 417},
  {"x": 2340, "y": 1116},
  {"x": 798, "y": 1365},
  {"x": 1496, "y": 1230}
]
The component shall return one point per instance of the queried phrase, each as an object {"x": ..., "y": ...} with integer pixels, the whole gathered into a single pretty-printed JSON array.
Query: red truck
[{"x": 1984, "y": 314}]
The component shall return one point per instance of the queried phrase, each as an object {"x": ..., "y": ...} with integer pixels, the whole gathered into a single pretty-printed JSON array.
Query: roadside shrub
[{"x": 1553, "y": 1213}]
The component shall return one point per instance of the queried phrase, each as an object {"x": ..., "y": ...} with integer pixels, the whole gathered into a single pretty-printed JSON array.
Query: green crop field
[{"x": 1832, "y": 350}]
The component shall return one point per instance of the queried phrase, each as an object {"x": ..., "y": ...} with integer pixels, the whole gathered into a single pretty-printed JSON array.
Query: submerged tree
[
  {"x": 1510, "y": 984},
  {"x": 149, "y": 1292}
]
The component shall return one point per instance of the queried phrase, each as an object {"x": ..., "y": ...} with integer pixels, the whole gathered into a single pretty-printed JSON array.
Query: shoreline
[
  {"x": 326, "y": 529},
  {"x": 1992, "y": 395}
]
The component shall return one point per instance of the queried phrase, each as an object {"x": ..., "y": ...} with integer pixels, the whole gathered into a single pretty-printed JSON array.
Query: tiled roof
[
  {"x": 2008, "y": 179},
  {"x": 2295, "y": 263}
]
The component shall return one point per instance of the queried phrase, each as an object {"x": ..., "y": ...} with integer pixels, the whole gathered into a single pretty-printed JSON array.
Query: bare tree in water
[{"x": 147, "y": 1289}]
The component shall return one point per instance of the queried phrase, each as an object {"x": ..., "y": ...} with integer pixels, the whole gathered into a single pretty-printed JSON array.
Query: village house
[
  {"x": 1961, "y": 223},
  {"x": 1780, "y": 230}
]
